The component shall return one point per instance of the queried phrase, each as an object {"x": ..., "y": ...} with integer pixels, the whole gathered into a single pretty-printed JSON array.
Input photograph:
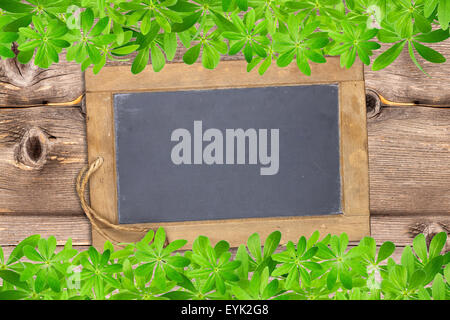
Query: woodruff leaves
[
  {"x": 312, "y": 268},
  {"x": 300, "y": 32}
]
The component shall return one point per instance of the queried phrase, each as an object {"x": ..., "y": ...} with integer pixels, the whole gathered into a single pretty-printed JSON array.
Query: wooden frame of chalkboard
[{"x": 354, "y": 221}]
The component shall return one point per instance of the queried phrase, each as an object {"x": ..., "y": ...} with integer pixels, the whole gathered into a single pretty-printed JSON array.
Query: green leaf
[
  {"x": 191, "y": 55},
  {"x": 6, "y": 52},
  {"x": 13, "y": 295},
  {"x": 413, "y": 58},
  {"x": 163, "y": 22},
  {"x": 178, "y": 261},
  {"x": 417, "y": 279},
  {"x": 170, "y": 45},
  {"x": 332, "y": 278},
  {"x": 447, "y": 273},
  {"x": 303, "y": 65},
  {"x": 94, "y": 53},
  {"x": 422, "y": 24},
  {"x": 293, "y": 278},
  {"x": 125, "y": 50},
  {"x": 429, "y": 54},
  {"x": 438, "y": 288},
  {"x": 210, "y": 57},
  {"x": 386, "y": 250},
  {"x": 254, "y": 246},
  {"x": 444, "y": 13},
  {"x": 242, "y": 4},
  {"x": 174, "y": 245},
  {"x": 437, "y": 244},
  {"x": 265, "y": 65},
  {"x": 187, "y": 23},
  {"x": 158, "y": 63},
  {"x": 346, "y": 279},
  {"x": 389, "y": 56},
  {"x": 248, "y": 52},
  {"x": 99, "y": 27},
  {"x": 435, "y": 36},
  {"x": 271, "y": 244},
  {"x": 242, "y": 256},
  {"x": 141, "y": 60},
  {"x": 237, "y": 46},
  {"x": 432, "y": 268},
  {"x": 8, "y": 37},
  {"x": 420, "y": 247},
  {"x": 430, "y": 6},
  {"x": 13, "y": 278},
  {"x": 15, "y": 25},
  {"x": 387, "y": 36},
  {"x": 223, "y": 23},
  {"x": 15, "y": 6},
  {"x": 87, "y": 20},
  {"x": 240, "y": 293},
  {"x": 221, "y": 247},
  {"x": 32, "y": 254},
  {"x": 286, "y": 58}
]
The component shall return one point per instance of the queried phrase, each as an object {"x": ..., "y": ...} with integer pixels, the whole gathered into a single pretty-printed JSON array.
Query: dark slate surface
[{"x": 153, "y": 189}]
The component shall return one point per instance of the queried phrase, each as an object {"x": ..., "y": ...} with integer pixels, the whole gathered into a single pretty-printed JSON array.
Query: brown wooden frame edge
[{"x": 232, "y": 74}]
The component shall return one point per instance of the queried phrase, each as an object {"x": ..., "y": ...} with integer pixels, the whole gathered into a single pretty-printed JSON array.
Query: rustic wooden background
[{"x": 43, "y": 147}]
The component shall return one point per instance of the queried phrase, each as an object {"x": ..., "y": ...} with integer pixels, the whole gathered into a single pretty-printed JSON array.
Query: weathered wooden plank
[
  {"x": 41, "y": 152},
  {"x": 77, "y": 227},
  {"x": 404, "y": 82},
  {"x": 409, "y": 151},
  {"x": 408, "y": 147},
  {"x": 409, "y": 154},
  {"x": 399, "y": 229},
  {"x": 402, "y": 229},
  {"x": 27, "y": 85}
]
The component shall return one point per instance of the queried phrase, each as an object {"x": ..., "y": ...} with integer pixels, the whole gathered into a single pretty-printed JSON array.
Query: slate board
[{"x": 151, "y": 188}]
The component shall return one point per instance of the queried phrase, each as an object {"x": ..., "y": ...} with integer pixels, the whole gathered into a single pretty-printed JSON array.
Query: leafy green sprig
[
  {"x": 287, "y": 31},
  {"x": 313, "y": 268}
]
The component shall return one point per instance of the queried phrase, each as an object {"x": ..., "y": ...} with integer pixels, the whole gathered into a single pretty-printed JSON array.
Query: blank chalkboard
[
  {"x": 298, "y": 126},
  {"x": 226, "y": 153}
]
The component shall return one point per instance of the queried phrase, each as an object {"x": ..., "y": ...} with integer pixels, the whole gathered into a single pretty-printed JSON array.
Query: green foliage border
[
  {"x": 311, "y": 269},
  {"x": 264, "y": 31}
]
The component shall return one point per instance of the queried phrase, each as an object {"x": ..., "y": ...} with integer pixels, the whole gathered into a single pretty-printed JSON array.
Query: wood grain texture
[
  {"x": 409, "y": 161},
  {"x": 403, "y": 82},
  {"x": 236, "y": 232},
  {"x": 15, "y": 228},
  {"x": 408, "y": 149},
  {"x": 101, "y": 143},
  {"x": 28, "y": 85},
  {"x": 354, "y": 157},
  {"x": 231, "y": 74},
  {"x": 41, "y": 152},
  {"x": 399, "y": 229}
]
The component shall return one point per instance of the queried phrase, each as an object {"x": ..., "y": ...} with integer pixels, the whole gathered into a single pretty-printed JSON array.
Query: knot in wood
[
  {"x": 33, "y": 148},
  {"x": 430, "y": 229},
  {"x": 373, "y": 103},
  {"x": 17, "y": 74}
]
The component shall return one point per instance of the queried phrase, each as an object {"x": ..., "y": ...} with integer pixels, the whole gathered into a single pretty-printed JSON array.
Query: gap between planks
[{"x": 398, "y": 229}]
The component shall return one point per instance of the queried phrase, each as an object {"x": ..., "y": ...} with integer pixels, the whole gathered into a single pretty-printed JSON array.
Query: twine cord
[{"x": 97, "y": 220}]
